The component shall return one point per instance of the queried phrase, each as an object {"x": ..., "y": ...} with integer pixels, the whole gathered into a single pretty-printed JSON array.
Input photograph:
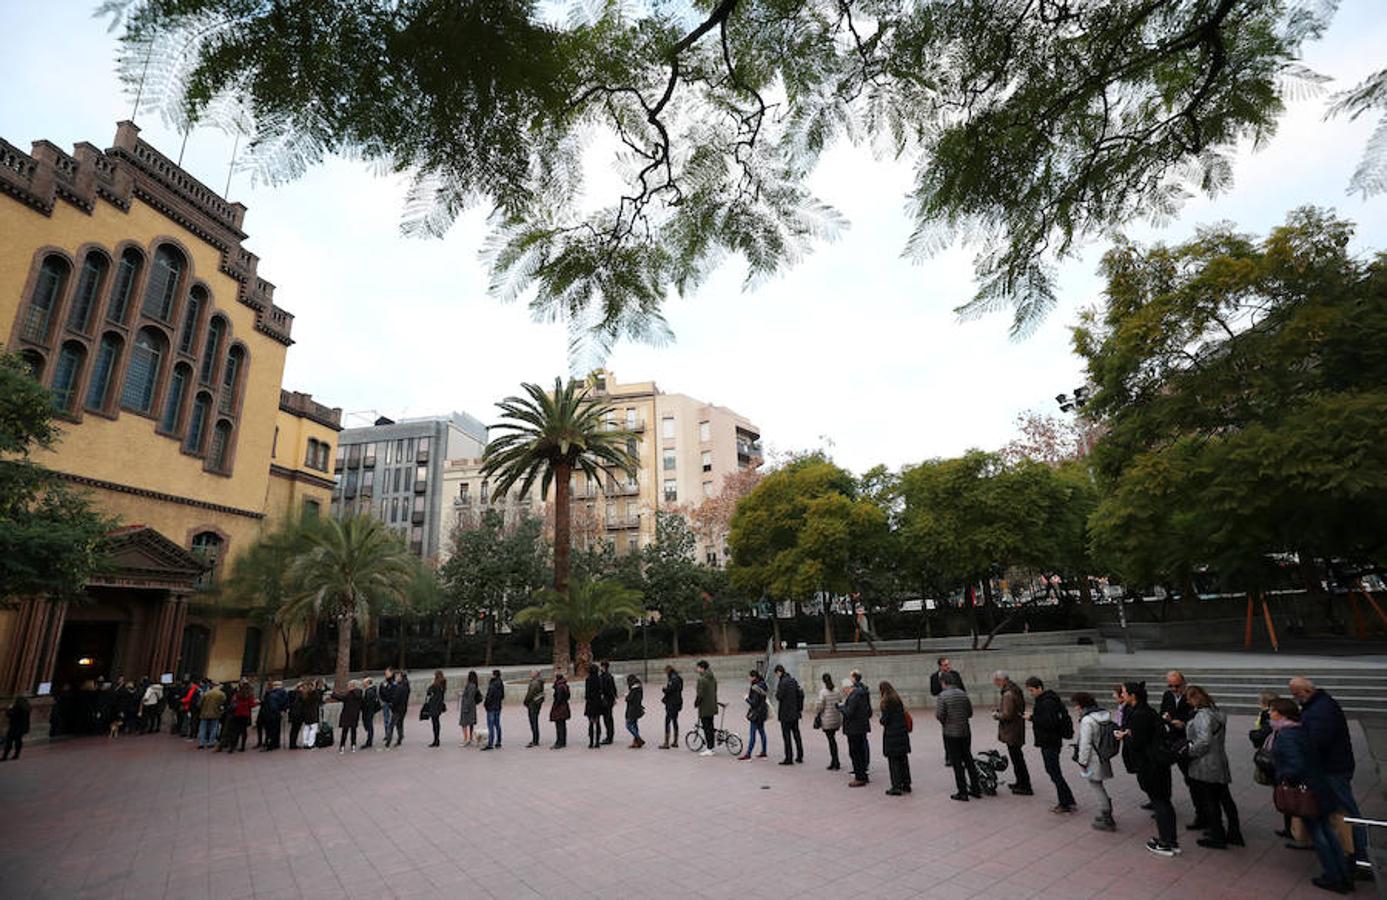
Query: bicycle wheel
[
  {"x": 734, "y": 744},
  {"x": 694, "y": 739}
]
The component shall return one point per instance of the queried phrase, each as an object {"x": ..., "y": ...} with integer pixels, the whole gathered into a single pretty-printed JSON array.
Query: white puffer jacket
[{"x": 1093, "y": 766}]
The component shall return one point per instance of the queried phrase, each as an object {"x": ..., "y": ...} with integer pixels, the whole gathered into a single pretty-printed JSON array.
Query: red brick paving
[{"x": 151, "y": 817}]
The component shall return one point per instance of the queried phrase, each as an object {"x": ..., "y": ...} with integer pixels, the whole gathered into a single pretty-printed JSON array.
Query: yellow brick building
[{"x": 124, "y": 283}]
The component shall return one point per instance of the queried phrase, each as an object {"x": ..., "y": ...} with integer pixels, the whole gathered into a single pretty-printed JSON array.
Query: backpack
[
  {"x": 1105, "y": 742},
  {"x": 324, "y": 738},
  {"x": 1065, "y": 722}
]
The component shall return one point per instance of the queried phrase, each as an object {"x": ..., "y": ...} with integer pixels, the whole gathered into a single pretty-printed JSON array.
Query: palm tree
[
  {"x": 349, "y": 570},
  {"x": 585, "y": 609},
  {"x": 549, "y": 437},
  {"x": 259, "y": 579}
]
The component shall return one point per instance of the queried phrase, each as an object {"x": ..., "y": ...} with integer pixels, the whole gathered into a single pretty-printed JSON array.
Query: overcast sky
[{"x": 856, "y": 345}]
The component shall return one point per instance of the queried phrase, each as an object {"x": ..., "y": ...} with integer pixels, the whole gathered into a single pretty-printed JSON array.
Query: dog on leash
[{"x": 115, "y": 726}]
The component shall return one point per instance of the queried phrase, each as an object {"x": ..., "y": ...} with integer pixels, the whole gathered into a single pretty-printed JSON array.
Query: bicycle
[{"x": 695, "y": 742}]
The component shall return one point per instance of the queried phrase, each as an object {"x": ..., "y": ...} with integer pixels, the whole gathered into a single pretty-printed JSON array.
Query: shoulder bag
[{"x": 1295, "y": 800}]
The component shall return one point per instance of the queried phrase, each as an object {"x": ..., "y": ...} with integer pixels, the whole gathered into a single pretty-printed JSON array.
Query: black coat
[
  {"x": 857, "y": 712},
  {"x": 1145, "y": 731},
  {"x": 350, "y": 715},
  {"x": 895, "y": 737},
  {"x": 594, "y": 704},
  {"x": 789, "y": 699},
  {"x": 608, "y": 691},
  {"x": 434, "y": 700},
  {"x": 312, "y": 706},
  {"x": 559, "y": 712},
  {"x": 635, "y": 706},
  {"x": 936, "y": 686},
  {"x": 495, "y": 695},
  {"x": 19, "y": 721},
  {"x": 399, "y": 699},
  {"x": 673, "y": 692},
  {"x": 758, "y": 710},
  {"x": 1045, "y": 720},
  {"x": 370, "y": 701}
]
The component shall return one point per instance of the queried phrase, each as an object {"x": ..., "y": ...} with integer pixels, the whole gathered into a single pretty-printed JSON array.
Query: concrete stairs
[{"x": 1361, "y": 692}]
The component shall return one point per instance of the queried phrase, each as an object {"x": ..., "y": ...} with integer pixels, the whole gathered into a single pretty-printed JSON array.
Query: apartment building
[{"x": 394, "y": 471}]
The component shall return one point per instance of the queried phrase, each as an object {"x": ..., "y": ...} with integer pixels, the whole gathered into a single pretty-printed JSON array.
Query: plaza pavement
[{"x": 151, "y": 817}]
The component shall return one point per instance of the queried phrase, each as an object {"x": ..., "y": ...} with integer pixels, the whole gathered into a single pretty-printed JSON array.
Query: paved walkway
[{"x": 151, "y": 817}]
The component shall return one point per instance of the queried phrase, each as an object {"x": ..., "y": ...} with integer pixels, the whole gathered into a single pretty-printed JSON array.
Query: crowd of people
[{"x": 1301, "y": 744}]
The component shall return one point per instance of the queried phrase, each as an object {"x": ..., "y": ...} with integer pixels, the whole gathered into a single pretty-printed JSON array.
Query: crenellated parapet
[{"x": 134, "y": 169}]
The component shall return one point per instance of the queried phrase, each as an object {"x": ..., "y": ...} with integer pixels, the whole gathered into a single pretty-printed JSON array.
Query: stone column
[
  {"x": 175, "y": 639},
  {"x": 159, "y": 655},
  {"x": 27, "y": 646},
  {"x": 57, "y": 618}
]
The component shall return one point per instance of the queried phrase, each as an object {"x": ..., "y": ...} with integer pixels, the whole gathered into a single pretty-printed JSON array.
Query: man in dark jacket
[
  {"x": 936, "y": 686},
  {"x": 399, "y": 708},
  {"x": 534, "y": 702},
  {"x": 608, "y": 700},
  {"x": 370, "y": 705},
  {"x": 953, "y": 709},
  {"x": 1176, "y": 712},
  {"x": 789, "y": 699},
  {"x": 1049, "y": 719},
  {"x": 1011, "y": 730},
  {"x": 276, "y": 701},
  {"x": 495, "y": 695},
  {"x": 1146, "y": 755},
  {"x": 387, "y": 692},
  {"x": 857, "y": 724},
  {"x": 1327, "y": 730},
  {"x": 673, "y": 697}
]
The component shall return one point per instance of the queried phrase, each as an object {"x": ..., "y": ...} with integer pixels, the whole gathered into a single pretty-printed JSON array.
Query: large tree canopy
[
  {"x": 1243, "y": 387},
  {"x": 1031, "y": 123}
]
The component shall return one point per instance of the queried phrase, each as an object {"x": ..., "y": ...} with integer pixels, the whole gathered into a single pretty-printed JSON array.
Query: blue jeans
[
  {"x": 1327, "y": 849},
  {"x": 1341, "y": 786},
  {"x": 756, "y": 728},
  {"x": 493, "y": 728},
  {"x": 633, "y": 727},
  {"x": 386, "y": 717},
  {"x": 208, "y": 730}
]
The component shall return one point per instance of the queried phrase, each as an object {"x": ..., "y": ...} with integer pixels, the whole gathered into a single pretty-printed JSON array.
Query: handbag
[
  {"x": 1263, "y": 768},
  {"x": 818, "y": 721},
  {"x": 1295, "y": 800},
  {"x": 909, "y": 722}
]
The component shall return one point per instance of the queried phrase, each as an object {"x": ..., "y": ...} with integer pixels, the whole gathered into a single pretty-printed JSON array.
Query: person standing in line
[
  {"x": 210, "y": 716},
  {"x": 1326, "y": 728},
  {"x": 187, "y": 709},
  {"x": 312, "y": 714},
  {"x": 1176, "y": 712},
  {"x": 243, "y": 707},
  {"x": 399, "y": 709},
  {"x": 758, "y": 710},
  {"x": 387, "y": 701},
  {"x": 608, "y": 701},
  {"x": 151, "y": 707},
  {"x": 436, "y": 702},
  {"x": 594, "y": 705},
  {"x": 1093, "y": 766},
  {"x": 829, "y": 719},
  {"x": 296, "y": 714},
  {"x": 856, "y": 711},
  {"x": 1258, "y": 736},
  {"x": 495, "y": 697},
  {"x": 706, "y": 703},
  {"x": 370, "y": 705},
  {"x": 635, "y": 708},
  {"x": 534, "y": 703},
  {"x": 1051, "y": 726},
  {"x": 942, "y": 667},
  {"x": 672, "y": 696},
  {"x": 276, "y": 701},
  {"x": 1293, "y": 754},
  {"x": 16, "y": 727},
  {"x": 953, "y": 709},
  {"x": 895, "y": 739},
  {"x": 1011, "y": 730},
  {"x": 1146, "y": 754},
  {"x": 559, "y": 713},
  {"x": 1209, "y": 772},
  {"x": 789, "y": 700},
  {"x": 347, "y": 719},
  {"x": 468, "y": 699}
]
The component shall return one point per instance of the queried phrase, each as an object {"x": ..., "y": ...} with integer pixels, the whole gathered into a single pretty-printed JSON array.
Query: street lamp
[{"x": 1074, "y": 403}]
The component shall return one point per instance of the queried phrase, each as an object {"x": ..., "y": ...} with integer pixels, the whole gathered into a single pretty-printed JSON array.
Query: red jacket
[{"x": 243, "y": 706}]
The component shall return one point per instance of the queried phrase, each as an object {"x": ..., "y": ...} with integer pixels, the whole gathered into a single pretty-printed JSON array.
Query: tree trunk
[
  {"x": 451, "y": 630},
  {"x": 775, "y": 629},
  {"x": 563, "y": 549},
  {"x": 284, "y": 638},
  {"x": 539, "y": 633},
  {"x": 344, "y": 652},
  {"x": 970, "y": 597},
  {"x": 583, "y": 660},
  {"x": 828, "y": 624},
  {"x": 490, "y": 633},
  {"x": 674, "y": 640}
]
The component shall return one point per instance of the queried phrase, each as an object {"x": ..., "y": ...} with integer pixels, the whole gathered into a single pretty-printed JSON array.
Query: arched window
[
  {"x": 163, "y": 283},
  {"x": 173, "y": 403},
  {"x": 48, "y": 289},
  {"x": 34, "y": 360},
  {"x": 207, "y": 545},
  {"x": 212, "y": 351},
  {"x": 123, "y": 286},
  {"x": 142, "y": 374},
  {"x": 235, "y": 359},
  {"x": 99, "y": 388},
  {"x": 66, "y": 374},
  {"x": 197, "y": 424},
  {"x": 197, "y": 299},
  {"x": 221, "y": 440},
  {"x": 79, "y": 316}
]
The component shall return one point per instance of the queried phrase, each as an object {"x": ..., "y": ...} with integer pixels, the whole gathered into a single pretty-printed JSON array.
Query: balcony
[
  {"x": 635, "y": 427},
  {"x": 623, "y": 523},
  {"x": 369, "y": 462},
  {"x": 417, "y": 517},
  {"x": 420, "y": 487}
]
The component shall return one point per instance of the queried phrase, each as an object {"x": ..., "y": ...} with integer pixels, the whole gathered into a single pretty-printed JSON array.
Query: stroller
[{"x": 989, "y": 763}]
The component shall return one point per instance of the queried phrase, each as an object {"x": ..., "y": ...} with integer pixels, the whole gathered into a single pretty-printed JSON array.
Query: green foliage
[
  {"x": 585, "y": 609},
  {"x": 1243, "y": 387},
  {"x": 493, "y": 570},
  {"x": 1029, "y": 126},
  {"x": 49, "y": 534},
  {"x": 675, "y": 582}
]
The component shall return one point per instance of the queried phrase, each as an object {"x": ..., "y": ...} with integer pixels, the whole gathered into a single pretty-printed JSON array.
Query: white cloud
[{"x": 856, "y": 343}]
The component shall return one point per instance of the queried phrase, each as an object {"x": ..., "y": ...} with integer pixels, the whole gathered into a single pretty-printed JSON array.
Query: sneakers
[
  {"x": 706, "y": 753},
  {"x": 1160, "y": 849}
]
